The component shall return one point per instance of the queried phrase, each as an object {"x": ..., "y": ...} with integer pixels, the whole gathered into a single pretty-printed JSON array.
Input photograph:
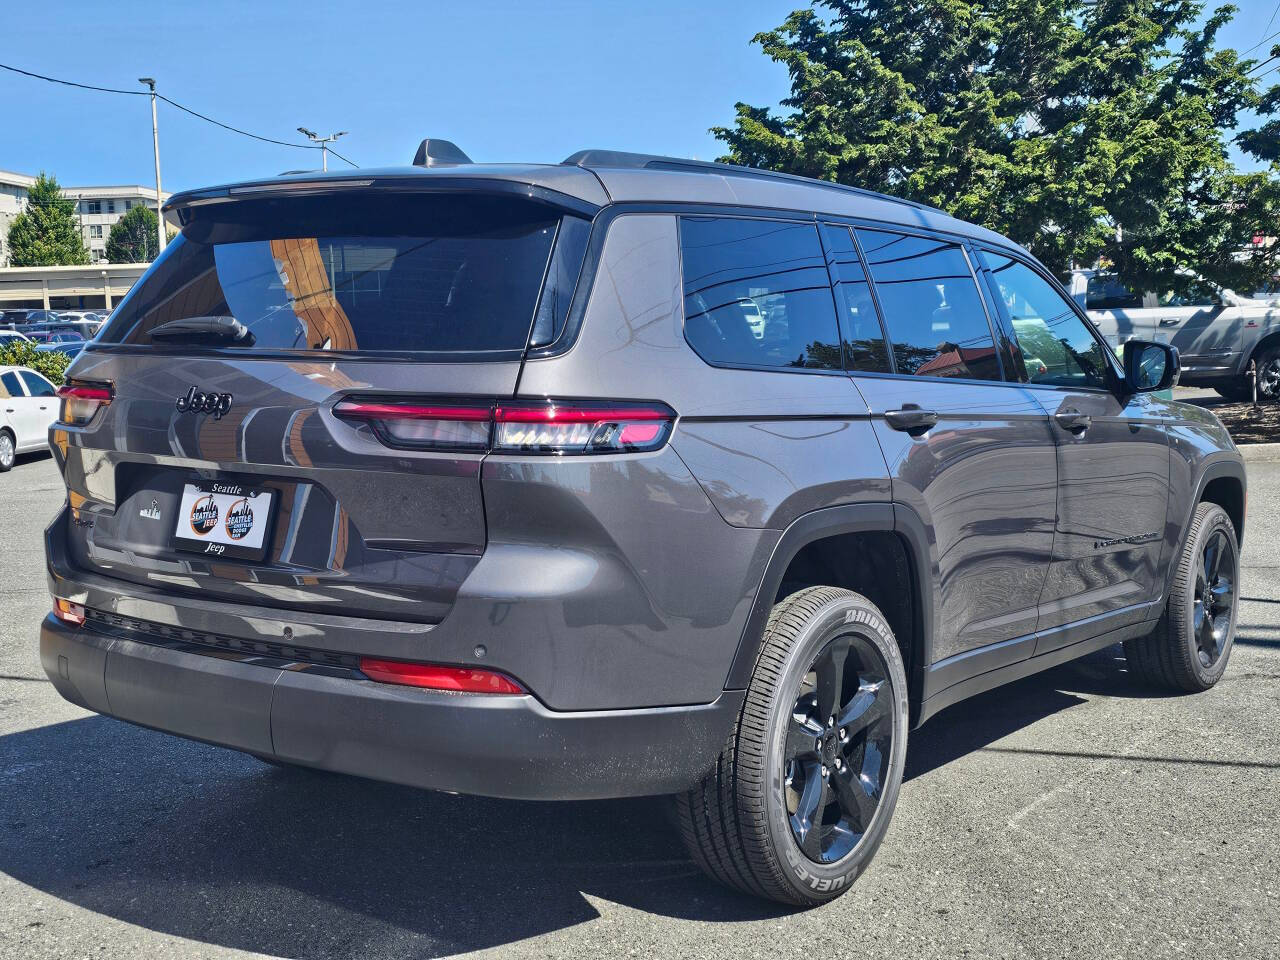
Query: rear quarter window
[
  {"x": 1107, "y": 292},
  {"x": 756, "y": 294}
]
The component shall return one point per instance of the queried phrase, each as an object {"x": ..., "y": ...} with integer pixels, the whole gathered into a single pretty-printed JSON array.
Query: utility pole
[
  {"x": 324, "y": 144},
  {"x": 155, "y": 145}
]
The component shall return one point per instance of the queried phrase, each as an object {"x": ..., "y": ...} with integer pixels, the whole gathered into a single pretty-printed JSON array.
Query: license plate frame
[{"x": 219, "y": 538}]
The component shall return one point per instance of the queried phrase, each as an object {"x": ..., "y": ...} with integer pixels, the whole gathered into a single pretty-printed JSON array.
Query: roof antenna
[{"x": 439, "y": 153}]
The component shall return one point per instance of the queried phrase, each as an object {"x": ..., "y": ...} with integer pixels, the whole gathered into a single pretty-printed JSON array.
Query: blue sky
[{"x": 506, "y": 80}]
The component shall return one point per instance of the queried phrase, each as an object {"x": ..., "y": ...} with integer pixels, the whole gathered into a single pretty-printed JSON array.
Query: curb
[{"x": 1259, "y": 452}]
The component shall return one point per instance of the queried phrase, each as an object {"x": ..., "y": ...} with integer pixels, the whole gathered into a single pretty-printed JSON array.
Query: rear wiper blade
[{"x": 216, "y": 328}]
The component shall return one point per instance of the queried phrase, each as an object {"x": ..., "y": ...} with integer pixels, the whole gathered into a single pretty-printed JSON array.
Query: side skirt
[{"x": 1031, "y": 665}]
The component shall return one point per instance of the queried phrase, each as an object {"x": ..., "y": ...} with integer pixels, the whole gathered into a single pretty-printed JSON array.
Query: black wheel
[
  {"x": 1268, "y": 362},
  {"x": 1190, "y": 646},
  {"x": 803, "y": 792},
  {"x": 1237, "y": 391},
  {"x": 7, "y": 451}
]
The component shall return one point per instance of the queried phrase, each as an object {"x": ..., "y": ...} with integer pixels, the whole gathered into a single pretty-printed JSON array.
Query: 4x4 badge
[{"x": 197, "y": 401}]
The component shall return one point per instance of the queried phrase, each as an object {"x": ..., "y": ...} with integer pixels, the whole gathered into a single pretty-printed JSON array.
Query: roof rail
[{"x": 650, "y": 161}]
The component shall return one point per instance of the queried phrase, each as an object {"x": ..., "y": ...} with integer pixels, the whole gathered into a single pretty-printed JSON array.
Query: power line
[
  {"x": 1261, "y": 42},
  {"x": 172, "y": 103}
]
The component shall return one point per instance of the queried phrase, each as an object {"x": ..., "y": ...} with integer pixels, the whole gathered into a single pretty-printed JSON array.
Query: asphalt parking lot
[{"x": 1070, "y": 815}]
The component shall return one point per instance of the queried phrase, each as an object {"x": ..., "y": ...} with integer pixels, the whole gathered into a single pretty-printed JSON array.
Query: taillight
[
  {"x": 551, "y": 426},
  {"x": 428, "y": 425},
  {"x": 435, "y": 677},
  {"x": 81, "y": 400}
]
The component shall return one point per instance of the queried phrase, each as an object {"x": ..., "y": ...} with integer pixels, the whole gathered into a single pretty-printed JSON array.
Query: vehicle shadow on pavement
[{"x": 207, "y": 844}]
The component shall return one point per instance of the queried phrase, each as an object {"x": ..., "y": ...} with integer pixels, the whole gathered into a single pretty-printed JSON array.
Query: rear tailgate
[{"x": 419, "y": 297}]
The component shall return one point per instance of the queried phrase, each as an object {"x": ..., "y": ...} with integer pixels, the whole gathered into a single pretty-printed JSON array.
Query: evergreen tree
[
  {"x": 133, "y": 238},
  {"x": 46, "y": 233},
  {"x": 1086, "y": 130}
]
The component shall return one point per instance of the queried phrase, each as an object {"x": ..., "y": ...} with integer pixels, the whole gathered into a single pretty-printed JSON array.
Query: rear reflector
[
  {"x": 553, "y": 426},
  {"x": 435, "y": 677},
  {"x": 81, "y": 400},
  {"x": 68, "y": 612}
]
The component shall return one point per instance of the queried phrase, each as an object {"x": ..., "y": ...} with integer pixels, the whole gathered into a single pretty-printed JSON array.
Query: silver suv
[
  {"x": 622, "y": 476},
  {"x": 1218, "y": 333}
]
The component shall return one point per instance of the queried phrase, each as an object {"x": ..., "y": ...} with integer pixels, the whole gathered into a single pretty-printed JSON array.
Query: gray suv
[{"x": 618, "y": 477}]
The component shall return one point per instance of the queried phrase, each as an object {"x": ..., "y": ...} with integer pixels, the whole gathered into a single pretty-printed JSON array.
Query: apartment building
[{"x": 98, "y": 208}]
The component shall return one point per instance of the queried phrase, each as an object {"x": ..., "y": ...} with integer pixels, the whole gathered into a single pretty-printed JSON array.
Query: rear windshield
[{"x": 455, "y": 274}]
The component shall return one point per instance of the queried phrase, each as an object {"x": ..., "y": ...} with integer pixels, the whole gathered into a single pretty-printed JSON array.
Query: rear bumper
[{"x": 502, "y": 746}]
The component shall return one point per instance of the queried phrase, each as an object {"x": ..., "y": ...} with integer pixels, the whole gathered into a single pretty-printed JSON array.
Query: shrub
[{"x": 23, "y": 353}]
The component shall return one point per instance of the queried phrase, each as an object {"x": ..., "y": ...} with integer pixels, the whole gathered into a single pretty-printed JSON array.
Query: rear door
[
  {"x": 42, "y": 406},
  {"x": 227, "y": 360},
  {"x": 1113, "y": 463},
  {"x": 1207, "y": 332},
  {"x": 968, "y": 451}
]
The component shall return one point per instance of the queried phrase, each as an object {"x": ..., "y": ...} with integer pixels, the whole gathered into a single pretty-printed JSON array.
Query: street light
[
  {"x": 155, "y": 145},
  {"x": 324, "y": 143}
]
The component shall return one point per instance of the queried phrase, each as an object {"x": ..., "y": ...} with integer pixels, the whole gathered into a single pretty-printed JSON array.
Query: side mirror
[
  {"x": 1229, "y": 298},
  {"x": 1150, "y": 366}
]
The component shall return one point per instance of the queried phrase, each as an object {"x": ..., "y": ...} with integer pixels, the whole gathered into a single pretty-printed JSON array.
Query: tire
[
  {"x": 1190, "y": 646},
  {"x": 8, "y": 451},
  {"x": 738, "y": 822},
  {"x": 1268, "y": 362},
  {"x": 1236, "y": 391}
]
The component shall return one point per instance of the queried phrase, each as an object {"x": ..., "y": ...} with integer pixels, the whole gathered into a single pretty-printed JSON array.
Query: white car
[{"x": 28, "y": 407}]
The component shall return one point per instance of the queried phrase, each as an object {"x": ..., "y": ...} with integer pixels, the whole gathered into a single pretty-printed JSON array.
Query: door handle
[
  {"x": 1169, "y": 322},
  {"x": 911, "y": 419},
  {"x": 1073, "y": 421}
]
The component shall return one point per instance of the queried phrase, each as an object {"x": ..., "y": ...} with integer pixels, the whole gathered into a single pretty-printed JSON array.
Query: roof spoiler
[{"x": 439, "y": 153}]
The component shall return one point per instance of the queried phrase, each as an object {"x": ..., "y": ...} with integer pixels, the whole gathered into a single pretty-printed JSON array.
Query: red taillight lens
[
  {"x": 68, "y": 612},
  {"x": 553, "y": 426},
  {"x": 81, "y": 400},
  {"x": 435, "y": 677},
  {"x": 427, "y": 425}
]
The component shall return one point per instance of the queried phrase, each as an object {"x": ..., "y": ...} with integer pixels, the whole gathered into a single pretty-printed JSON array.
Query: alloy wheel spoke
[
  {"x": 855, "y": 802},
  {"x": 806, "y": 822},
  {"x": 865, "y": 710},
  {"x": 802, "y": 738},
  {"x": 830, "y": 670}
]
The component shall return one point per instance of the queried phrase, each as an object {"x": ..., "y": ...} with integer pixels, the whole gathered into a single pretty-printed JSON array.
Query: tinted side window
[
  {"x": 1106, "y": 292},
  {"x": 1197, "y": 294},
  {"x": 37, "y": 385},
  {"x": 933, "y": 312},
  {"x": 864, "y": 346},
  {"x": 756, "y": 293},
  {"x": 9, "y": 386},
  {"x": 1055, "y": 345}
]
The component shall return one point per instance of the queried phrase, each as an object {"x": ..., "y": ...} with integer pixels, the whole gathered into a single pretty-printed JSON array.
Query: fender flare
[
  {"x": 884, "y": 517},
  {"x": 1222, "y": 464}
]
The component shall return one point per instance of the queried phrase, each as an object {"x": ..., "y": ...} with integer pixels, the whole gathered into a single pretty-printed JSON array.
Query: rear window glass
[
  {"x": 932, "y": 308},
  {"x": 756, "y": 293},
  {"x": 382, "y": 274},
  {"x": 1106, "y": 292},
  {"x": 9, "y": 386},
  {"x": 864, "y": 346}
]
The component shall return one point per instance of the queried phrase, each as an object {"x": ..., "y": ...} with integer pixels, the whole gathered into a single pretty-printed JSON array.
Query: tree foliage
[
  {"x": 23, "y": 353},
  {"x": 46, "y": 233},
  {"x": 1086, "y": 130},
  {"x": 133, "y": 237}
]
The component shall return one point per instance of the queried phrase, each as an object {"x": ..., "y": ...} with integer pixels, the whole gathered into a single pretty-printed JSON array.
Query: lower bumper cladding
[{"x": 333, "y": 717}]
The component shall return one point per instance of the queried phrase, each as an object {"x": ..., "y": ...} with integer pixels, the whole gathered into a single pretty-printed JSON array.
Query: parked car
[
  {"x": 28, "y": 407},
  {"x": 71, "y": 348},
  {"x": 6, "y": 336},
  {"x": 86, "y": 323},
  {"x": 44, "y": 334},
  {"x": 478, "y": 478},
  {"x": 11, "y": 318},
  {"x": 1217, "y": 332},
  {"x": 42, "y": 316}
]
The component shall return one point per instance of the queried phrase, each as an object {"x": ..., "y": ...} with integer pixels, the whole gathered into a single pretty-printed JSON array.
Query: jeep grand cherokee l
[{"x": 487, "y": 479}]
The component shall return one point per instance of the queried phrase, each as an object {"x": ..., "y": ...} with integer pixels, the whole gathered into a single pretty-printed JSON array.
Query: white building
[{"x": 97, "y": 209}]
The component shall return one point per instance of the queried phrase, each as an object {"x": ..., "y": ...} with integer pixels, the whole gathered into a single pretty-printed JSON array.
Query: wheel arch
[
  {"x": 1221, "y": 481},
  {"x": 1265, "y": 343},
  {"x": 895, "y": 544}
]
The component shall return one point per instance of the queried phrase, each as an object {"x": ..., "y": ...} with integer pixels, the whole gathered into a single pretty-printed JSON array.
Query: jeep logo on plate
[{"x": 197, "y": 401}]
